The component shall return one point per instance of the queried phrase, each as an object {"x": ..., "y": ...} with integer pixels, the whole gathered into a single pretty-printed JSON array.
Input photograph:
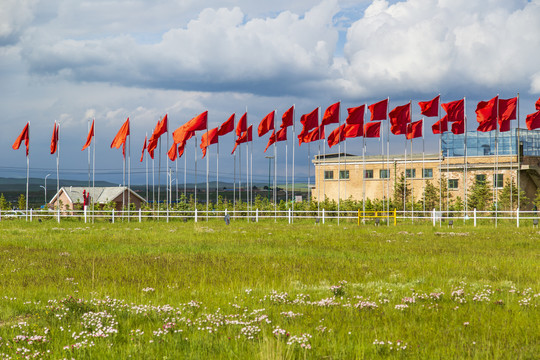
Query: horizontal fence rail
[{"x": 361, "y": 217}]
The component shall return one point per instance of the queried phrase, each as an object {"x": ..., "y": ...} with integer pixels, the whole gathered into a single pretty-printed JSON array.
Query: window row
[
  {"x": 409, "y": 173},
  {"x": 498, "y": 181},
  {"x": 329, "y": 174}
]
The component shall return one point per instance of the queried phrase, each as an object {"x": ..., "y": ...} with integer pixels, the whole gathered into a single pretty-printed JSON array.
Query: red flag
[
  {"x": 537, "y": 104},
  {"x": 54, "y": 139},
  {"x": 89, "y": 137},
  {"x": 266, "y": 124},
  {"x": 242, "y": 125},
  {"x": 227, "y": 126},
  {"x": 309, "y": 121},
  {"x": 336, "y": 136},
  {"x": 353, "y": 130},
  {"x": 372, "y": 130},
  {"x": 199, "y": 122},
  {"x": 314, "y": 135},
  {"x": 120, "y": 138},
  {"x": 281, "y": 136},
  {"x": 356, "y": 115},
  {"x": 379, "y": 110},
  {"x": 144, "y": 147},
  {"x": 533, "y": 121},
  {"x": 331, "y": 114},
  {"x": 414, "y": 130},
  {"x": 247, "y": 136},
  {"x": 440, "y": 126},
  {"x": 172, "y": 153},
  {"x": 25, "y": 135},
  {"x": 486, "y": 115},
  {"x": 181, "y": 148},
  {"x": 458, "y": 127},
  {"x": 209, "y": 138},
  {"x": 507, "y": 112},
  {"x": 288, "y": 118},
  {"x": 400, "y": 116},
  {"x": 455, "y": 110},
  {"x": 430, "y": 108},
  {"x": 181, "y": 135},
  {"x": 160, "y": 129}
]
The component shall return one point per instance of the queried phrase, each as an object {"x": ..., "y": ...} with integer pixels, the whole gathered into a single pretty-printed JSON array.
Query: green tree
[
  {"x": 480, "y": 196},
  {"x": 401, "y": 190},
  {"x": 431, "y": 196},
  {"x": 22, "y": 202},
  {"x": 508, "y": 197},
  {"x": 4, "y": 205}
]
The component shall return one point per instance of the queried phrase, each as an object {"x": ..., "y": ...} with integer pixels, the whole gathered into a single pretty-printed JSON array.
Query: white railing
[{"x": 434, "y": 217}]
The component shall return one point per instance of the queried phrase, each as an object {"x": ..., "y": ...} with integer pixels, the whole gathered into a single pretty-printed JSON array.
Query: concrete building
[
  {"x": 377, "y": 176},
  {"x": 70, "y": 197}
]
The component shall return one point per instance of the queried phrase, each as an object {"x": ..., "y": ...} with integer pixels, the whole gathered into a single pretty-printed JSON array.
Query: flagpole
[
  {"x": 234, "y": 176},
  {"x": 405, "y": 181},
  {"x": 58, "y": 165},
  {"x": 195, "y": 171},
  {"x": 159, "y": 176},
  {"x": 240, "y": 171},
  {"x": 412, "y": 184},
  {"x": 247, "y": 176},
  {"x": 176, "y": 173},
  {"x": 185, "y": 175},
  {"x": 251, "y": 176},
  {"x": 319, "y": 158},
  {"x": 497, "y": 164},
  {"x": 440, "y": 159},
  {"x": 146, "y": 164},
  {"x": 293, "y": 147},
  {"x": 275, "y": 169},
  {"x": 217, "y": 173},
  {"x": 364, "y": 174},
  {"x": 381, "y": 142},
  {"x": 93, "y": 172},
  {"x": 518, "y": 157},
  {"x": 387, "y": 165},
  {"x": 339, "y": 161},
  {"x": 286, "y": 170},
  {"x": 465, "y": 151},
  {"x": 28, "y": 173},
  {"x": 153, "y": 186},
  {"x": 129, "y": 175},
  {"x": 88, "y": 152},
  {"x": 309, "y": 172},
  {"x": 423, "y": 169},
  {"x": 168, "y": 185},
  {"x": 207, "y": 168}
]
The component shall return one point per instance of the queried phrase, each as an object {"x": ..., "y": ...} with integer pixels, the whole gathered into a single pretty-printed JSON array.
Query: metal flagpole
[
  {"x": 251, "y": 176},
  {"x": 93, "y": 172},
  {"x": 423, "y": 169},
  {"x": 195, "y": 154},
  {"x": 319, "y": 159},
  {"x": 293, "y": 147},
  {"x": 309, "y": 172},
  {"x": 168, "y": 185},
  {"x": 364, "y": 175},
  {"x": 217, "y": 173},
  {"x": 146, "y": 158},
  {"x": 339, "y": 162},
  {"x": 234, "y": 177},
  {"x": 405, "y": 182},
  {"x": 159, "y": 177},
  {"x": 387, "y": 165},
  {"x": 381, "y": 142},
  {"x": 28, "y": 175},
  {"x": 88, "y": 152},
  {"x": 57, "y": 165},
  {"x": 124, "y": 179},
  {"x": 240, "y": 171},
  {"x": 185, "y": 176},
  {"x": 207, "y": 169},
  {"x": 176, "y": 174},
  {"x": 129, "y": 175},
  {"x": 153, "y": 186},
  {"x": 247, "y": 177},
  {"x": 275, "y": 169},
  {"x": 286, "y": 170},
  {"x": 412, "y": 184},
  {"x": 465, "y": 151},
  {"x": 518, "y": 157},
  {"x": 440, "y": 160},
  {"x": 497, "y": 164}
]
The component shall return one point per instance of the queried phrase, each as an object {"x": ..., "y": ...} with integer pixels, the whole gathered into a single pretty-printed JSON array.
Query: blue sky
[{"x": 72, "y": 61}]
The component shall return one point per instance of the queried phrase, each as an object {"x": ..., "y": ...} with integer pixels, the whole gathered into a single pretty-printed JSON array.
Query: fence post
[
  {"x": 323, "y": 216},
  {"x": 140, "y": 214},
  {"x": 30, "y": 215},
  {"x": 84, "y": 211},
  {"x": 257, "y": 215},
  {"x": 0, "y": 214},
  {"x": 474, "y": 214},
  {"x": 113, "y": 216},
  {"x": 195, "y": 214},
  {"x": 289, "y": 215},
  {"x": 434, "y": 221},
  {"x": 517, "y": 217},
  {"x": 395, "y": 217}
]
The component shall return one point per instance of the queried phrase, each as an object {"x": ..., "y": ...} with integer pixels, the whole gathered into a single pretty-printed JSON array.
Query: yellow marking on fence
[{"x": 377, "y": 215}]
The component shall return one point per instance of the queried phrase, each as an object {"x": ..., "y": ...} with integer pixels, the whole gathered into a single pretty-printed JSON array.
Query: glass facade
[{"x": 483, "y": 144}]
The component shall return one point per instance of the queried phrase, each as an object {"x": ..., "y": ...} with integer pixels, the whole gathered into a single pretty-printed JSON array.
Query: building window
[
  {"x": 328, "y": 175},
  {"x": 428, "y": 173},
  {"x": 368, "y": 174},
  {"x": 481, "y": 178},
  {"x": 498, "y": 181},
  {"x": 384, "y": 174},
  {"x": 453, "y": 183},
  {"x": 410, "y": 173},
  {"x": 344, "y": 174}
]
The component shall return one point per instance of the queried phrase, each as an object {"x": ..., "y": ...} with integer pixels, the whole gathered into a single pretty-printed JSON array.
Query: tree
[
  {"x": 431, "y": 196},
  {"x": 480, "y": 195},
  {"x": 4, "y": 205},
  {"x": 22, "y": 202},
  {"x": 401, "y": 191},
  {"x": 508, "y": 197}
]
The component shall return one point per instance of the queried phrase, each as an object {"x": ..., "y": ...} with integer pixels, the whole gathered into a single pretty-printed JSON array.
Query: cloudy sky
[{"x": 73, "y": 61}]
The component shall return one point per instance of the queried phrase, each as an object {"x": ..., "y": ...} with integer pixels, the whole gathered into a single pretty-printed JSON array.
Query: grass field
[{"x": 268, "y": 291}]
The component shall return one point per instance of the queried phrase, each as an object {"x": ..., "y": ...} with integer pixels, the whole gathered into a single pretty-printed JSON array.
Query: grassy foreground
[{"x": 267, "y": 291}]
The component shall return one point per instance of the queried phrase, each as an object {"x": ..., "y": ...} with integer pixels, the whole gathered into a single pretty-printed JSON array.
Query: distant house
[{"x": 72, "y": 196}]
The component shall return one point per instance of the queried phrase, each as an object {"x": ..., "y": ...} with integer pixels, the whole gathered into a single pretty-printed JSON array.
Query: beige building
[
  {"x": 71, "y": 197},
  {"x": 376, "y": 177}
]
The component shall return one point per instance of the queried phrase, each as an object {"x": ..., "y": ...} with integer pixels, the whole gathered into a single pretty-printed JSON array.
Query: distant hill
[{"x": 19, "y": 184}]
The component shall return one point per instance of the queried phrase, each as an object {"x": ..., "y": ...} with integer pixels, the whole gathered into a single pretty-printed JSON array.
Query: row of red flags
[{"x": 494, "y": 114}]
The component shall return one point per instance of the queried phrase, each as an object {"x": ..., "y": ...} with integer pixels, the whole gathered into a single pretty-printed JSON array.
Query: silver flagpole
[
  {"x": 412, "y": 184},
  {"x": 185, "y": 175},
  {"x": 159, "y": 177},
  {"x": 286, "y": 170},
  {"x": 465, "y": 151},
  {"x": 195, "y": 171},
  {"x": 153, "y": 186},
  {"x": 518, "y": 157},
  {"x": 88, "y": 152},
  {"x": 234, "y": 176},
  {"x": 293, "y": 147},
  {"x": 146, "y": 158},
  {"x": 405, "y": 182},
  {"x": 251, "y": 176},
  {"x": 168, "y": 185},
  {"x": 440, "y": 159},
  {"x": 129, "y": 175},
  {"x": 364, "y": 174},
  {"x": 387, "y": 165},
  {"x": 93, "y": 171},
  {"x": 207, "y": 169},
  {"x": 497, "y": 164},
  {"x": 176, "y": 172},
  {"x": 240, "y": 171},
  {"x": 423, "y": 170},
  {"x": 28, "y": 175},
  {"x": 217, "y": 173},
  {"x": 57, "y": 165},
  {"x": 381, "y": 142},
  {"x": 275, "y": 169},
  {"x": 339, "y": 162},
  {"x": 309, "y": 172},
  {"x": 124, "y": 179},
  {"x": 247, "y": 176},
  {"x": 319, "y": 159}
]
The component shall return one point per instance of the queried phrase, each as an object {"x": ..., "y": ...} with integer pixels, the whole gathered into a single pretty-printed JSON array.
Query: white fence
[{"x": 436, "y": 218}]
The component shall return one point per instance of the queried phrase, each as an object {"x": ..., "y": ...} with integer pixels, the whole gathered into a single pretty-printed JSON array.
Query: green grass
[{"x": 207, "y": 290}]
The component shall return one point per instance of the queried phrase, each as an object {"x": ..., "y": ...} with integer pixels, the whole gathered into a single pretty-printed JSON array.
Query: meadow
[{"x": 269, "y": 290}]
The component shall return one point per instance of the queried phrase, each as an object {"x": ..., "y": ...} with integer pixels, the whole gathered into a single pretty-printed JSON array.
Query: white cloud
[
  {"x": 422, "y": 46},
  {"x": 14, "y": 16}
]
